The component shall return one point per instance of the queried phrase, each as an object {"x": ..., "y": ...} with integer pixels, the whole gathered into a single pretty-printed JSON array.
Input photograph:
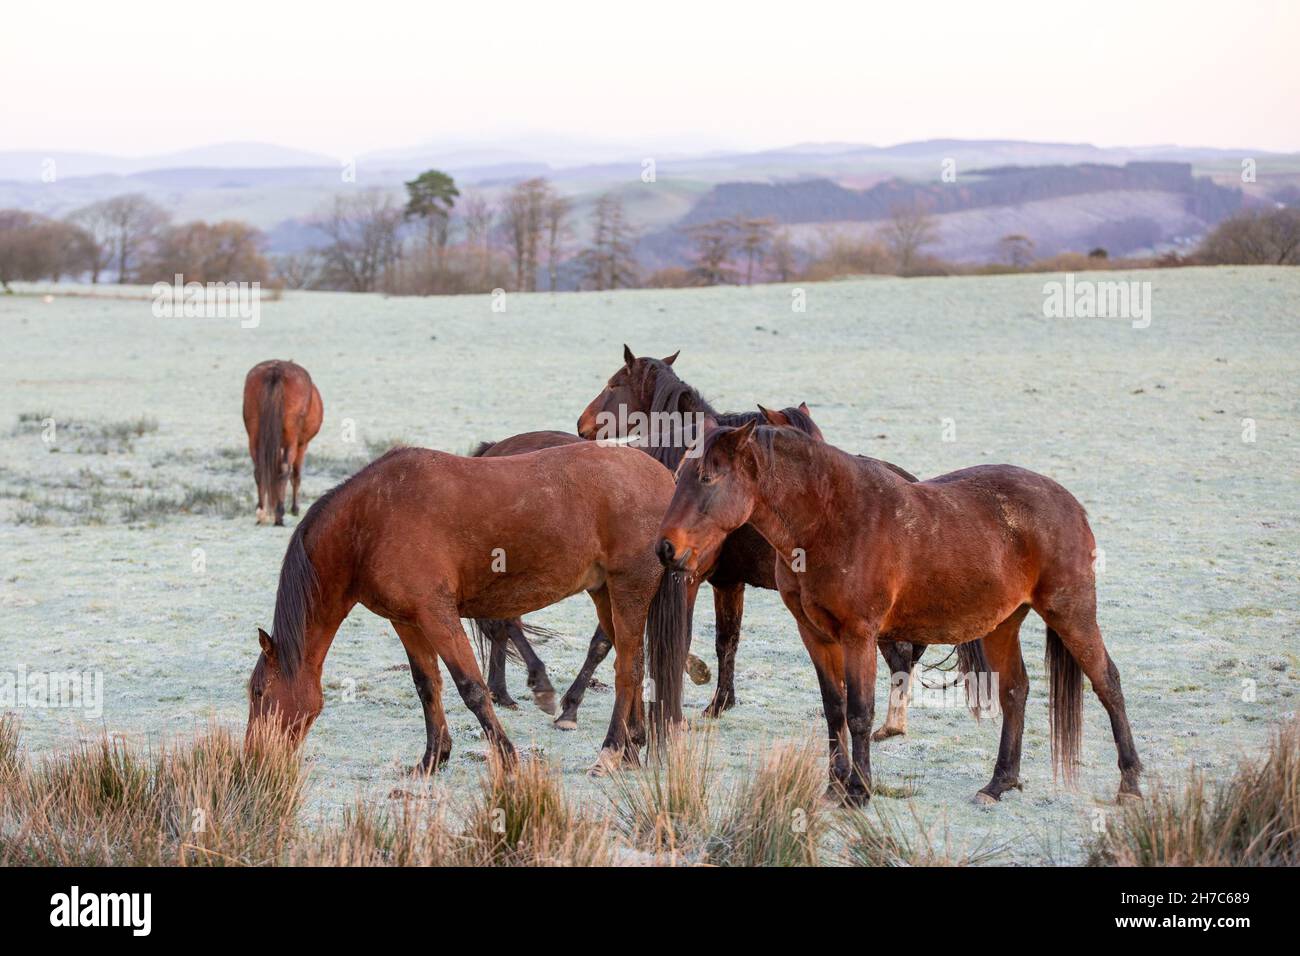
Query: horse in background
[
  {"x": 651, "y": 387},
  {"x": 282, "y": 414},
  {"x": 951, "y": 560}
]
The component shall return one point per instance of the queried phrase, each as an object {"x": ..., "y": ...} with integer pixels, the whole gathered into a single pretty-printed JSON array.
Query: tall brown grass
[
  {"x": 876, "y": 836},
  {"x": 678, "y": 810},
  {"x": 1251, "y": 819},
  {"x": 211, "y": 801}
]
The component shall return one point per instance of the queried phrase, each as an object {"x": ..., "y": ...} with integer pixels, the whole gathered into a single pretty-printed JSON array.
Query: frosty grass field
[{"x": 136, "y": 554}]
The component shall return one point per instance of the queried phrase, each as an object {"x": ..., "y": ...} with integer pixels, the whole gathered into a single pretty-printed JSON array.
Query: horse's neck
[{"x": 800, "y": 491}]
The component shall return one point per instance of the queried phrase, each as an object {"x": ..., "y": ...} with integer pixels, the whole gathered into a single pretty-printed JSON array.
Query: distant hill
[{"x": 1001, "y": 185}]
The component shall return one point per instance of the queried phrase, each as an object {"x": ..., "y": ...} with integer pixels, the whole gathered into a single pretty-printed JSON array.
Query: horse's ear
[
  {"x": 672, "y": 358},
  {"x": 628, "y": 357},
  {"x": 774, "y": 418},
  {"x": 738, "y": 438},
  {"x": 803, "y": 407},
  {"x": 264, "y": 639}
]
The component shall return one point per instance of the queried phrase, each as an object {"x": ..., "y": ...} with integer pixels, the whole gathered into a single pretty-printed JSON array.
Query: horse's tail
[
  {"x": 975, "y": 669},
  {"x": 488, "y": 631},
  {"x": 1065, "y": 703},
  {"x": 668, "y": 640},
  {"x": 270, "y": 432}
]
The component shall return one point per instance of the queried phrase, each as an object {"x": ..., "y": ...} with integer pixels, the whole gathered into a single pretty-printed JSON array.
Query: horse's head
[
  {"x": 799, "y": 418},
  {"x": 631, "y": 389},
  {"x": 716, "y": 493},
  {"x": 290, "y": 701}
]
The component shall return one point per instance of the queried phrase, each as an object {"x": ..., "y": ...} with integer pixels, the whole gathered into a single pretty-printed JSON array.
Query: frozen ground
[{"x": 99, "y": 569}]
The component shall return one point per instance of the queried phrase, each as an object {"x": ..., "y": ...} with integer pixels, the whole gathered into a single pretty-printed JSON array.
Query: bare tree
[
  {"x": 782, "y": 256},
  {"x": 133, "y": 223},
  {"x": 910, "y": 229},
  {"x": 34, "y": 247},
  {"x": 1016, "y": 250},
  {"x": 752, "y": 236},
  {"x": 524, "y": 216},
  {"x": 714, "y": 242},
  {"x": 609, "y": 262},
  {"x": 228, "y": 251},
  {"x": 479, "y": 218},
  {"x": 1270, "y": 237},
  {"x": 558, "y": 232},
  {"x": 365, "y": 239},
  {"x": 94, "y": 219}
]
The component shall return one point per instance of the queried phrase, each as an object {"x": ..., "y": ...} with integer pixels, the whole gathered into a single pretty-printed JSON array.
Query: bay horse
[
  {"x": 424, "y": 538},
  {"x": 500, "y": 636},
  {"x": 650, "y": 387},
  {"x": 282, "y": 413},
  {"x": 945, "y": 561}
]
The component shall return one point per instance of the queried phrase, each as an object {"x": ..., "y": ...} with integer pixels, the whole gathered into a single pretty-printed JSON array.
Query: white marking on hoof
[{"x": 563, "y": 724}]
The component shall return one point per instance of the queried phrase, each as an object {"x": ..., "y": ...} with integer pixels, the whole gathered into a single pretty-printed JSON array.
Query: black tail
[
  {"x": 975, "y": 669},
  {"x": 270, "y": 438},
  {"x": 668, "y": 640},
  {"x": 489, "y": 631},
  {"x": 1065, "y": 703}
]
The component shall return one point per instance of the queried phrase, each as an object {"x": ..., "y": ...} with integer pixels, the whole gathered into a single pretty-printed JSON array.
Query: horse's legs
[
  {"x": 627, "y": 603},
  {"x": 828, "y": 663},
  {"x": 901, "y": 659},
  {"x": 859, "y": 650},
  {"x": 538, "y": 681},
  {"x": 496, "y": 675},
  {"x": 443, "y": 630},
  {"x": 296, "y": 475},
  {"x": 428, "y": 686},
  {"x": 728, "y": 609},
  {"x": 572, "y": 699},
  {"x": 1075, "y": 623},
  {"x": 1002, "y": 648}
]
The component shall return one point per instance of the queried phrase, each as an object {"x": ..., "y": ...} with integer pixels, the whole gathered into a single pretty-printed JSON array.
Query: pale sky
[{"x": 135, "y": 78}]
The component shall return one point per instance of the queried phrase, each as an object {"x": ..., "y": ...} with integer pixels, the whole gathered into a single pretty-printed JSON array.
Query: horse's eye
[{"x": 708, "y": 479}]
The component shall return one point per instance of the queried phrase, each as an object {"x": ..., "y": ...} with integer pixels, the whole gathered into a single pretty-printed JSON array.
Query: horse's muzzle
[{"x": 669, "y": 557}]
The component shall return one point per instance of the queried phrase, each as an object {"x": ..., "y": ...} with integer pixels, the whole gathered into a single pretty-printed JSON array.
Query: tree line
[{"x": 441, "y": 240}]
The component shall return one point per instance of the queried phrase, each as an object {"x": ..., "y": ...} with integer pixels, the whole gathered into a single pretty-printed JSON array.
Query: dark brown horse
[
  {"x": 500, "y": 636},
  {"x": 424, "y": 539},
  {"x": 945, "y": 561},
  {"x": 282, "y": 413},
  {"x": 650, "y": 388}
]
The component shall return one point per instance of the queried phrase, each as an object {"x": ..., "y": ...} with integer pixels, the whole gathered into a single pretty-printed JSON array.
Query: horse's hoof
[
  {"x": 608, "y": 760},
  {"x": 507, "y": 702},
  {"x": 885, "y": 732},
  {"x": 1128, "y": 796},
  {"x": 718, "y": 707},
  {"x": 545, "y": 700},
  {"x": 697, "y": 670},
  {"x": 983, "y": 799},
  {"x": 566, "y": 723}
]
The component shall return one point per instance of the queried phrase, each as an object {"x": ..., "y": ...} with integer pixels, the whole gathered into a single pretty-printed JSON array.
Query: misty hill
[{"x": 1137, "y": 206}]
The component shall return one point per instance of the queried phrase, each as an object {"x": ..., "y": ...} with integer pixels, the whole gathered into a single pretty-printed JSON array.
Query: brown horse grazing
[
  {"x": 944, "y": 561},
  {"x": 424, "y": 538},
  {"x": 650, "y": 387},
  {"x": 282, "y": 413}
]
